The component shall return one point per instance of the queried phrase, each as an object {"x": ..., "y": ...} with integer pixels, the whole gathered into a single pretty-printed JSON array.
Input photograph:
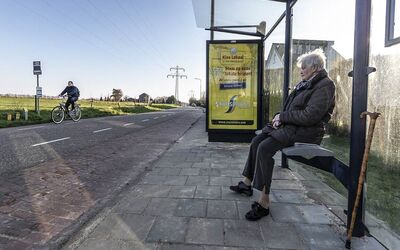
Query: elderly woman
[{"x": 307, "y": 108}]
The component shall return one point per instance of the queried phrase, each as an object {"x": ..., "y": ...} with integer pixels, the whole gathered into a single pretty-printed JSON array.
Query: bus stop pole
[
  {"x": 288, "y": 63},
  {"x": 37, "y": 97}
]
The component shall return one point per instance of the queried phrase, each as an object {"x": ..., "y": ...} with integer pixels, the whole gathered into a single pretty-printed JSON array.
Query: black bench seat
[{"x": 316, "y": 156}]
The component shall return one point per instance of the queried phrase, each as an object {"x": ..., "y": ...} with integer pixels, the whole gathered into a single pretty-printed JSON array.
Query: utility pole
[{"x": 177, "y": 75}]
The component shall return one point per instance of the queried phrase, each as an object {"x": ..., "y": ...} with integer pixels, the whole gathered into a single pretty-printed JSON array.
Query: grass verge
[{"x": 90, "y": 109}]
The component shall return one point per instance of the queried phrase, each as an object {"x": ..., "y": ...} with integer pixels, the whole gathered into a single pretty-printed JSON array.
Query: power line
[
  {"x": 120, "y": 30},
  {"x": 58, "y": 25},
  {"x": 83, "y": 27},
  {"x": 177, "y": 75},
  {"x": 140, "y": 30}
]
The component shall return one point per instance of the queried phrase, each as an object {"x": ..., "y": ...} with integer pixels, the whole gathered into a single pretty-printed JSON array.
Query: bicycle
[{"x": 58, "y": 113}]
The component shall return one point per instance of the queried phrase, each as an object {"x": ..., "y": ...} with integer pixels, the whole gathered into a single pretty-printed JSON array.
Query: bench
[{"x": 316, "y": 156}]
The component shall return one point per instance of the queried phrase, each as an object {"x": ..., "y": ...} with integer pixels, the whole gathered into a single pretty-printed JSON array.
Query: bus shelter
[{"x": 221, "y": 16}]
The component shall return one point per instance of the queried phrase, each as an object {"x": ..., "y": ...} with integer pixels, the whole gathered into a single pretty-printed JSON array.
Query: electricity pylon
[{"x": 177, "y": 75}]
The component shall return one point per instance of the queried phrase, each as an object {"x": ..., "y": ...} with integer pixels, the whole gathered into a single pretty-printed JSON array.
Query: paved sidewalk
[{"x": 183, "y": 202}]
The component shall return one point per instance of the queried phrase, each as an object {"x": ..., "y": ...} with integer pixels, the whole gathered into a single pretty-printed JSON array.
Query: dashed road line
[
  {"x": 155, "y": 118},
  {"x": 47, "y": 142},
  {"x": 101, "y": 130},
  {"x": 127, "y": 124},
  {"x": 20, "y": 129},
  {"x": 145, "y": 120}
]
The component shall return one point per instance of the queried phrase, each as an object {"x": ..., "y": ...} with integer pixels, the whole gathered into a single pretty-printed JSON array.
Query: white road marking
[
  {"x": 101, "y": 130},
  {"x": 155, "y": 117},
  {"x": 127, "y": 124},
  {"x": 47, "y": 142},
  {"x": 30, "y": 128},
  {"x": 145, "y": 120}
]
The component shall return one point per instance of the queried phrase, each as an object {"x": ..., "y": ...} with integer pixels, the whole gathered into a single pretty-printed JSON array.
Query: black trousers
[
  {"x": 260, "y": 161},
  {"x": 71, "y": 101}
]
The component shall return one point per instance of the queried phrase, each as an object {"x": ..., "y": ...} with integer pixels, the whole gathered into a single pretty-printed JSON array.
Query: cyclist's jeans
[{"x": 71, "y": 100}]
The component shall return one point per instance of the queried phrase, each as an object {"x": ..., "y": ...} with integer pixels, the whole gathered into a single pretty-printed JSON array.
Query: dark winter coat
[
  {"x": 306, "y": 111},
  {"x": 71, "y": 91}
]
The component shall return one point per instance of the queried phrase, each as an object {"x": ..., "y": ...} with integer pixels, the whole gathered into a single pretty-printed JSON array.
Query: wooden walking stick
[{"x": 373, "y": 117}]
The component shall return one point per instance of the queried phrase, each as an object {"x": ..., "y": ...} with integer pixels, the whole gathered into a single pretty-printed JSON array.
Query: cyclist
[{"x": 73, "y": 95}]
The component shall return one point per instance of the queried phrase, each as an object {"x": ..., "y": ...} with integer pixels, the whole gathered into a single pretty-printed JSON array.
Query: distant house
[
  {"x": 275, "y": 59},
  {"x": 144, "y": 97}
]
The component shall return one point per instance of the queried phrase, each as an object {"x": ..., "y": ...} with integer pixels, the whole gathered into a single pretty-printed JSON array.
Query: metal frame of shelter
[{"x": 360, "y": 73}]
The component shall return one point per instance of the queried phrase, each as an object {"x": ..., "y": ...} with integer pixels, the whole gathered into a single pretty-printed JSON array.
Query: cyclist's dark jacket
[{"x": 71, "y": 91}]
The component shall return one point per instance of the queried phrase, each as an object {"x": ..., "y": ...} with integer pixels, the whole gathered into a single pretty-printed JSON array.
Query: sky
[{"x": 131, "y": 44}]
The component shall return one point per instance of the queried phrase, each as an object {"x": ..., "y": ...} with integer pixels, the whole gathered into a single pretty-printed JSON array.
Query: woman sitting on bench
[{"x": 306, "y": 110}]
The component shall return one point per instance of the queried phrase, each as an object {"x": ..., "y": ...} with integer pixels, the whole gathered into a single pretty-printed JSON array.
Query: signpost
[
  {"x": 37, "y": 71},
  {"x": 234, "y": 85}
]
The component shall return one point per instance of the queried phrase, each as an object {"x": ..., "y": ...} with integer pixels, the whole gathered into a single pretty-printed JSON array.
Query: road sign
[
  {"x": 39, "y": 91},
  {"x": 36, "y": 68}
]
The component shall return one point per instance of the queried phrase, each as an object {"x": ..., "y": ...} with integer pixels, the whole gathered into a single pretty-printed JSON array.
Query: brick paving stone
[
  {"x": 190, "y": 171},
  {"x": 168, "y": 229},
  {"x": 222, "y": 209},
  {"x": 220, "y": 165},
  {"x": 231, "y": 172},
  {"x": 161, "y": 206},
  {"x": 201, "y": 165},
  {"x": 175, "y": 180},
  {"x": 282, "y": 212},
  {"x": 286, "y": 184},
  {"x": 169, "y": 171},
  {"x": 281, "y": 235},
  {"x": 318, "y": 214},
  {"x": 242, "y": 233},
  {"x": 153, "y": 179},
  {"x": 123, "y": 227},
  {"x": 191, "y": 208},
  {"x": 210, "y": 172},
  {"x": 228, "y": 194},
  {"x": 151, "y": 191},
  {"x": 197, "y": 181},
  {"x": 180, "y": 247},
  {"x": 205, "y": 231},
  {"x": 230, "y": 248},
  {"x": 103, "y": 244},
  {"x": 220, "y": 181},
  {"x": 132, "y": 205},
  {"x": 291, "y": 196},
  {"x": 182, "y": 192},
  {"x": 319, "y": 236},
  {"x": 208, "y": 192}
]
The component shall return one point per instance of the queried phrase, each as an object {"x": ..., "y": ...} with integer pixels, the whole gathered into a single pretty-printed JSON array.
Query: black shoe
[
  {"x": 257, "y": 212},
  {"x": 242, "y": 188}
]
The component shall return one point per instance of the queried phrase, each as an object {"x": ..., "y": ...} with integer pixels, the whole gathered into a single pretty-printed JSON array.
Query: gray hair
[{"x": 314, "y": 59}]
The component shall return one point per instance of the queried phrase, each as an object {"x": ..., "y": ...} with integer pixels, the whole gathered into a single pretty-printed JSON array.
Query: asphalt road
[
  {"x": 54, "y": 178},
  {"x": 24, "y": 147}
]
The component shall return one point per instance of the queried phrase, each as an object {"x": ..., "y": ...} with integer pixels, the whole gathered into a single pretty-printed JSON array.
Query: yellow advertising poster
[{"x": 232, "y": 86}]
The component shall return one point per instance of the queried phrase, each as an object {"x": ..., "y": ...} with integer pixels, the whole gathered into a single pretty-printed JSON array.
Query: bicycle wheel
[
  {"x": 76, "y": 114},
  {"x": 57, "y": 115}
]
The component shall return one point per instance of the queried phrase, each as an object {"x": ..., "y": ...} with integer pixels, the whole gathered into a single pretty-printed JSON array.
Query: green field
[
  {"x": 383, "y": 191},
  {"x": 12, "y": 105}
]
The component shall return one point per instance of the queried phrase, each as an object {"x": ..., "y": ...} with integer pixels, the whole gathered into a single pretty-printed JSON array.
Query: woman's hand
[{"x": 276, "y": 122}]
